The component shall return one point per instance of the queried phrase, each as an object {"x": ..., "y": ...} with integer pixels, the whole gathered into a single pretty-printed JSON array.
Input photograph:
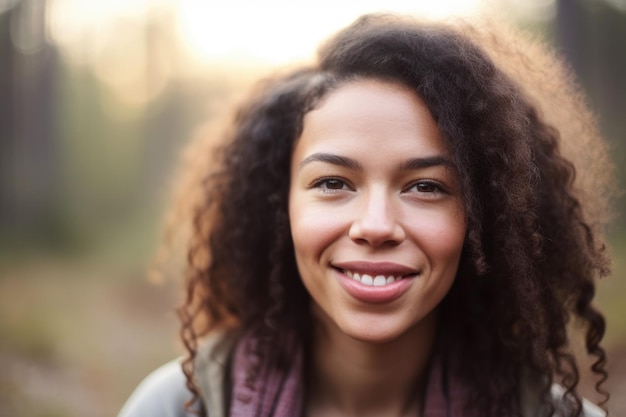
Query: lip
[
  {"x": 373, "y": 294},
  {"x": 376, "y": 268}
]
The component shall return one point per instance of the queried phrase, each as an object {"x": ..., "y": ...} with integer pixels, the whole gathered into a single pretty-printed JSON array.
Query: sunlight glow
[
  {"x": 278, "y": 31},
  {"x": 111, "y": 37},
  {"x": 70, "y": 20},
  {"x": 135, "y": 46}
]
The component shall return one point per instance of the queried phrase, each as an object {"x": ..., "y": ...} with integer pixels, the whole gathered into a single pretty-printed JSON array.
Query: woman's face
[{"x": 375, "y": 210}]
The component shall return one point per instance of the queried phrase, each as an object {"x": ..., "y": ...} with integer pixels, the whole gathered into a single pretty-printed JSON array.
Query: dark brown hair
[{"x": 532, "y": 251}]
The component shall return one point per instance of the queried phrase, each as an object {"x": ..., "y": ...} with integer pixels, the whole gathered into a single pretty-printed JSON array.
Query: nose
[{"x": 376, "y": 221}]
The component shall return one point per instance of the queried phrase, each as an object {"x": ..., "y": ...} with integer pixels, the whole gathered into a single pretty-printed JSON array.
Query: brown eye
[
  {"x": 333, "y": 184},
  {"x": 330, "y": 185},
  {"x": 430, "y": 188},
  {"x": 426, "y": 187}
]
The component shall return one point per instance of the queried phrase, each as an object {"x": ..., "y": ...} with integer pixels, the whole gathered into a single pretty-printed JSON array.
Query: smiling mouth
[{"x": 374, "y": 280}]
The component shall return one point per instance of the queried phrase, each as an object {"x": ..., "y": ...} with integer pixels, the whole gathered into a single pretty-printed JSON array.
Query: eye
[
  {"x": 426, "y": 187},
  {"x": 330, "y": 184},
  {"x": 333, "y": 184}
]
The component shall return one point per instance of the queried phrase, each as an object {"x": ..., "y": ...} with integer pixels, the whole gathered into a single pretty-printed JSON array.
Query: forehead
[{"x": 374, "y": 114}]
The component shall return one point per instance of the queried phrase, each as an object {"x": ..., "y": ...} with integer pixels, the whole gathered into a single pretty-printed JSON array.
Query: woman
[{"x": 394, "y": 231}]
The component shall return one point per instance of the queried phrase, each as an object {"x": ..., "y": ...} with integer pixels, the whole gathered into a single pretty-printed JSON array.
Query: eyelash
[
  {"x": 322, "y": 184},
  {"x": 438, "y": 188}
]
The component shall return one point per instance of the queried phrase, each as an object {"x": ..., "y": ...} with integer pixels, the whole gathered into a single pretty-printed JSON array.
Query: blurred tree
[
  {"x": 6, "y": 121},
  {"x": 592, "y": 36},
  {"x": 28, "y": 139}
]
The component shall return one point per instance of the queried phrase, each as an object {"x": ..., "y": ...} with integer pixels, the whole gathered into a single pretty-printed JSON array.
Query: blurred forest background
[{"x": 96, "y": 104}]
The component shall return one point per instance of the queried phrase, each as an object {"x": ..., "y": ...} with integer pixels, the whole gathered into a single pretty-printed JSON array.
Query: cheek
[
  {"x": 313, "y": 230},
  {"x": 442, "y": 234}
]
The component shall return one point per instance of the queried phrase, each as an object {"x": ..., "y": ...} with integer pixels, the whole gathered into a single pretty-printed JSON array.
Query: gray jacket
[{"x": 163, "y": 393}]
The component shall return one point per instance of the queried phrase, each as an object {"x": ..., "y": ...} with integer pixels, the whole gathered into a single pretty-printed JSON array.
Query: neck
[{"x": 350, "y": 377}]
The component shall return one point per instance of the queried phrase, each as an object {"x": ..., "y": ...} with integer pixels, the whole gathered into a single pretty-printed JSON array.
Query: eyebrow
[
  {"x": 333, "y": 159},
  {"x": 409, "y": 164},
  {"x": 426, "y": 162}
]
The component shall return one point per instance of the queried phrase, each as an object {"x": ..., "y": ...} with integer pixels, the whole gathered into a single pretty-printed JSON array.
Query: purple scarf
[{"x": 279, "y": 393}]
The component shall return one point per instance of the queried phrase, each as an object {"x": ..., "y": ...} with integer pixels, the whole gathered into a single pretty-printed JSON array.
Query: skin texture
[
  {"x": 373, "y": 192},
  {"x": 379, "y": 212}
]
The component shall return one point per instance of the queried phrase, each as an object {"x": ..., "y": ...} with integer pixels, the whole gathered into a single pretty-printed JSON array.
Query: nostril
[
  {"x": 373, "y": 228},
  {"x": 377, "y": 233}
]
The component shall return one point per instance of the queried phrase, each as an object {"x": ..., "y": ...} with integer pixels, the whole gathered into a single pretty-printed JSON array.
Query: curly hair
[{"x": 517, "y": 131}]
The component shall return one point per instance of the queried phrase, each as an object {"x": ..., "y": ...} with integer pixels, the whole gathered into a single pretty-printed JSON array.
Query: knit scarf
[{"x": 278, "y": 391}]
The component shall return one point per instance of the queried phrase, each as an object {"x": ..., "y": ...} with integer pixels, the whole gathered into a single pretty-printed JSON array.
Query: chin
[
  {"x": 374, "y": 339},
  {"x": 379, "y": 334}
]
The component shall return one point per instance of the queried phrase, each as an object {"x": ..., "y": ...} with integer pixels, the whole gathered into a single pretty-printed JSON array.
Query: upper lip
[{"x": 376, "y": 268}]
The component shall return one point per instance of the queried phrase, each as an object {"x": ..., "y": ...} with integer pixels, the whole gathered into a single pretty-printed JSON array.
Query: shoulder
[
  {"x": 589, "y": 408},
  {"x": 530, "y": 396},
  {"x": 163, "y": 393},
  {"x": 211, "y": 371}
]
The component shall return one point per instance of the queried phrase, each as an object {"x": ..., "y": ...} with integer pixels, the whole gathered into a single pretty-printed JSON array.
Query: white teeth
[
  {"x": 367, "y": 280},
  {"x": 377, "y": 281}
]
